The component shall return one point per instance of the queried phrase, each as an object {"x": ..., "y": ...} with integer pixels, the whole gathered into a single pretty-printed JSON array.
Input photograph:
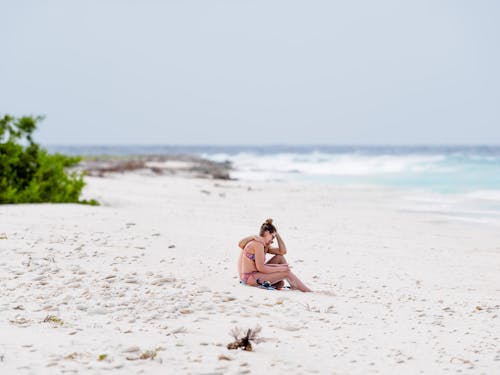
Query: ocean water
[
  {"x": 437, "y": 168},
  {"x": 462, "y": 182}
]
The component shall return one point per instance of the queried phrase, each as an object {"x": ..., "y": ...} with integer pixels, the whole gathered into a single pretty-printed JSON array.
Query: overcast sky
[{"x": 253, "y": 72}]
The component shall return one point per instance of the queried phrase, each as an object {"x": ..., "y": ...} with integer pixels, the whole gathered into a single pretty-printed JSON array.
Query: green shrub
[{"x": 28, "y": 173}]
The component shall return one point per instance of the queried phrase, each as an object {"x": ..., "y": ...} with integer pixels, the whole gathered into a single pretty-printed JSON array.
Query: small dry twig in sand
[
  {"x": 71, "y": 356},
  {"x": 316, "y": 309},
  {"x": 20, "y": 321},
  {"x": 243, "y": 340},
  {"x": 462, "y": 360},
  {"x": 177, "y": 330},
  {"x": 148, "y": 354}
]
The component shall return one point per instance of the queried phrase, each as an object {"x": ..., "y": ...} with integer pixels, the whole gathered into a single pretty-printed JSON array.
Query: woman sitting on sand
[{"x": 252, "y": 266}]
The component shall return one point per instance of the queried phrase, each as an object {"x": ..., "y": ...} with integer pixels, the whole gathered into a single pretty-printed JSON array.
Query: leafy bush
[{"x": 28, "y": 173}]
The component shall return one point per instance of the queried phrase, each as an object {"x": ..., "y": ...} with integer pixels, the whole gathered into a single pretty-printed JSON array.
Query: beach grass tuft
[{"x": 53, "y": 319}]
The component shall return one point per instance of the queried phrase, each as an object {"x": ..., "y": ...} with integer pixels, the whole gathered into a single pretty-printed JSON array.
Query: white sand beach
[{"x": 91, "y": 290}]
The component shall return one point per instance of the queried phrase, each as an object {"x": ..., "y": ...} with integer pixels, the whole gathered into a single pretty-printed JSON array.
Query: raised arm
[
  {"x": 246, "y": 240},
  {"x": 260, "y": 261},
  {"x": 281, "y": 249}
]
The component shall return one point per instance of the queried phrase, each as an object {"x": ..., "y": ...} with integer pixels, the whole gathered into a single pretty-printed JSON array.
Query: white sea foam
[
  {"x": 475, "y": 207},
  {"x": 491, "y": 195},
  {"x": 450, "y": 185},
  {"x": 323, "y": 164}
]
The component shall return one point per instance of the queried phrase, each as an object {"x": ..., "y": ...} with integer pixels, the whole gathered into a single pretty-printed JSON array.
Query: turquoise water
[
  {"x": 452, "y": 169},
  {"x": 458, "y": 182}
]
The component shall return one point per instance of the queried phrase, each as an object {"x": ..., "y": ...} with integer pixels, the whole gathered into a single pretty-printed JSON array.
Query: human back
[{"x": 248, "y": 255}]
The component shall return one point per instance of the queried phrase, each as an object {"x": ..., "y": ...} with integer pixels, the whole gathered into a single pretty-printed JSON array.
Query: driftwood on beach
[
  {"x": 243, "y": 338},
  {"x": 185, "y": 165}
]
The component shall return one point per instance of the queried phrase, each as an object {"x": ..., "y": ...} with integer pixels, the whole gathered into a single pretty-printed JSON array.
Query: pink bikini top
[{"x": 250, "y": 255}]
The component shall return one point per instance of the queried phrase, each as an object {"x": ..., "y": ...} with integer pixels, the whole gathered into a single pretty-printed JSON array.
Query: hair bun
[{"x": 267, "y": 226}]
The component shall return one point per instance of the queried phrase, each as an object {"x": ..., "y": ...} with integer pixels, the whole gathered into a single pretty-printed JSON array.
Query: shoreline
[{"x": 472, "y": 210}]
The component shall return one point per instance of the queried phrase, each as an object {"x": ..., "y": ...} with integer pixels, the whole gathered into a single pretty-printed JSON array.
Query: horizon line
[{"x": 271, "y": 145}]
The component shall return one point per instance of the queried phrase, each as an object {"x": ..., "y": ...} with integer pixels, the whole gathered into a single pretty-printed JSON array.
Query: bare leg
[
  {"x": 277, "y": 259},
  {"x": 279, "y": 276},
  {"x": 273, "y": 278},
  {"x": 279, "y": 284},
  {"x": 295, "y": 283}
]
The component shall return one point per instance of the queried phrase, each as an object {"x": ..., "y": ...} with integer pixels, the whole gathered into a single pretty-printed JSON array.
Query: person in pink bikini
[{"x": 252, "y": 266}]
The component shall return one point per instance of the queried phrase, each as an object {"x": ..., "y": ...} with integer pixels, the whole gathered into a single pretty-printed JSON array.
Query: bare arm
[
  {"x": 246, "y": 240},
  {"x": 260, "y": 261},
  {"x": 281, "y": 249}
]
